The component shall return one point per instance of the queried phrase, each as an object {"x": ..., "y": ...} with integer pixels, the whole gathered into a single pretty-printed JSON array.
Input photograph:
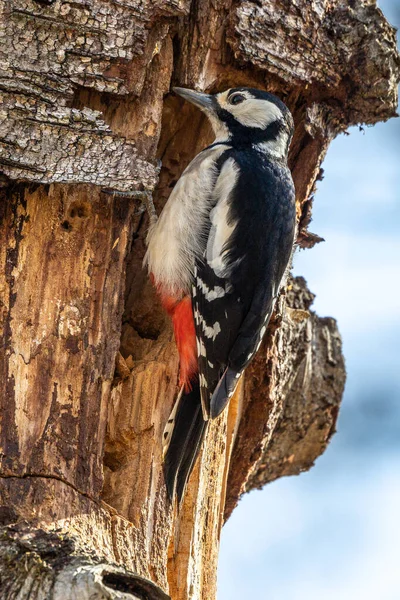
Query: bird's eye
[{"x": 236, "y": 99}]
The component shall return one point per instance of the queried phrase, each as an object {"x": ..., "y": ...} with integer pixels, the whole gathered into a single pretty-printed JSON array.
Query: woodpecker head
[{"x": 243, "y": 116}]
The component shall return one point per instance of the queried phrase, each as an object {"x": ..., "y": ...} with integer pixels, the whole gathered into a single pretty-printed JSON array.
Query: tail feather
[
  {"x": 192, "y": 452},
  {"x": 170, "y": 424},
  {"x": 186, "y": 437},
  {"x": 223, "y": 392}
]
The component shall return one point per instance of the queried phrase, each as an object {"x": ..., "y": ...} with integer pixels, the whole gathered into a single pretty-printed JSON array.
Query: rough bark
[
  {"x": 302, "y": 368},
  {"x": 87, "y": 360}
]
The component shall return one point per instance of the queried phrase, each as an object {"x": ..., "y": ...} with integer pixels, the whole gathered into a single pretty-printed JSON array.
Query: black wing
[{"x": 233, "y": 298}]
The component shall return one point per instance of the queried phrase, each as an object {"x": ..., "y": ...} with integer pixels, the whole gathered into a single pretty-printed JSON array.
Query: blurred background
[{"x": 334, "y": 533}]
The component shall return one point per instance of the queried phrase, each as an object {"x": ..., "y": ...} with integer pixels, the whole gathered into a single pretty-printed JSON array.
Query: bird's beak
[{"x": 203, "y": 101}]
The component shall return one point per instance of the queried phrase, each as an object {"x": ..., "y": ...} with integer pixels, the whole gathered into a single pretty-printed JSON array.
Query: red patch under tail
[{"x": 181, "y": 314}]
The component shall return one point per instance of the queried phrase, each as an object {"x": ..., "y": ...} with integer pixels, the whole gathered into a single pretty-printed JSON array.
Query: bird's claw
[{"x": 144, "y": 195}]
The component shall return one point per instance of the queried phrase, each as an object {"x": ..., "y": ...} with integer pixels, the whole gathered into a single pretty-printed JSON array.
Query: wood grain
[{"x": 88, "y": 366}]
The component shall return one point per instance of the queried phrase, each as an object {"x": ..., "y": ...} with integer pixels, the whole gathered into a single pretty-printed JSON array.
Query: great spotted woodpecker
[{"x": 218, "y": 255}]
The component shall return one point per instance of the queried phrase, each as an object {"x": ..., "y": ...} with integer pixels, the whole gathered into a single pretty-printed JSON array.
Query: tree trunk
[{"x": 88, "y": 365}]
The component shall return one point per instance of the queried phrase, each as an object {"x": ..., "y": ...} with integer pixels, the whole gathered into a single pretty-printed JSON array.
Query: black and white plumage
[{"x": 225, "y": 238}]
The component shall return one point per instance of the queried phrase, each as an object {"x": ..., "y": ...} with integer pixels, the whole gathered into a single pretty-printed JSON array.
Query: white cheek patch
[{"x": 256, "y": 113}]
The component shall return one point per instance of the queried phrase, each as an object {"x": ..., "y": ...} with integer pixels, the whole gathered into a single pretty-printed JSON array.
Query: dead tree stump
[{"x": 88, "y": 366}]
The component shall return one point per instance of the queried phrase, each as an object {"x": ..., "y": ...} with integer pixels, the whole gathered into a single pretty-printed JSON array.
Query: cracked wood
[{"x": 85, "y": 101}]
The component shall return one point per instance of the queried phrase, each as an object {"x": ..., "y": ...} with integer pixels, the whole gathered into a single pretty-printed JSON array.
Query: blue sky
[{"x": 334, "y": 533}]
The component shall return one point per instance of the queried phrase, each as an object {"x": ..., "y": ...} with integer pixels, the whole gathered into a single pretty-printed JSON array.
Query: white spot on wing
[
  {"x": 210, "y": 332},
  {"x": 203, "y": 380},
  {"x": 201, "y": 349},
  {"x": 210, "y": 294}
]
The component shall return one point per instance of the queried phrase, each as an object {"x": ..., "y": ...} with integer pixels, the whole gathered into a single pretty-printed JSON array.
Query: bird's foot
[{"x": 144, "y": 195}]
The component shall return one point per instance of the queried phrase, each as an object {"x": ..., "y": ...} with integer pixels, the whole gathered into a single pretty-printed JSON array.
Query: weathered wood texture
[
  {"x": 88, "y": 365},
  {"x": 63, "y": 253},
  {"x": 50, "y": 566},
  {"x": 302, "y": 367}
]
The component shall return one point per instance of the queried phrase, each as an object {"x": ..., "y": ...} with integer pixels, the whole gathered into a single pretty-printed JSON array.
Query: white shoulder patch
[{"x": 222, "y": 226}]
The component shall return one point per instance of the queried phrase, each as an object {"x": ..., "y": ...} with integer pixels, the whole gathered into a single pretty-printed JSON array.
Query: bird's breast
[{"x": 178, "y": 237}]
